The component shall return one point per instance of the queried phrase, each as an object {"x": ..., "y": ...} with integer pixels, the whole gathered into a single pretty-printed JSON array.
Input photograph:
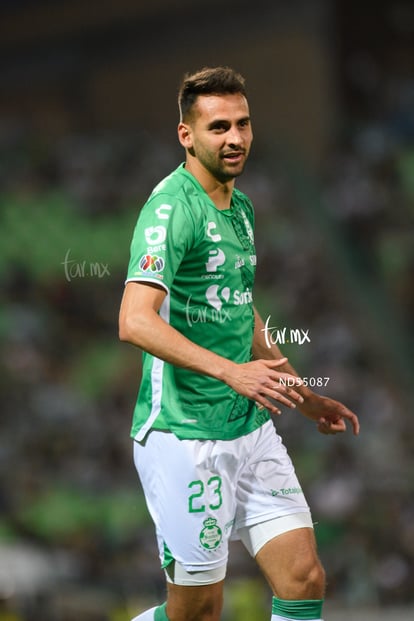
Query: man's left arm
[{"x": 330, "y": 415}]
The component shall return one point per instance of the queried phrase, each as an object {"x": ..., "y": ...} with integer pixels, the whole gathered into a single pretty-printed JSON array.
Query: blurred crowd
[{"x": 335, "y": 257}]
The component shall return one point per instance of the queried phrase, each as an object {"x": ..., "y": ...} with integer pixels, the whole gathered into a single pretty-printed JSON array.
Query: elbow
[
  {"x": 125, "y": 330},
  {"x": 123, "y": 333},
  {"x": 131, "y": 329}
]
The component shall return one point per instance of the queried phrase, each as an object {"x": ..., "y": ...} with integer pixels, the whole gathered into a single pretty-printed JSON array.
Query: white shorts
[{"x": 201, "y": 493}]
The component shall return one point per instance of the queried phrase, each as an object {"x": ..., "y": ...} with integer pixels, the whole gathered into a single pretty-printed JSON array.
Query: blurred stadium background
[{"x": 87, "y": 126}]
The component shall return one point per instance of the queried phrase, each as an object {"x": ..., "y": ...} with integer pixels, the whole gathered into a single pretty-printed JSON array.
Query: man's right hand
[{"x": 261, "y": 381}]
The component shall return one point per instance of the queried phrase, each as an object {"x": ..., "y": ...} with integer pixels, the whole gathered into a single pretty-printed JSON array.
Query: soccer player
[{"x": 211, "y": 464}]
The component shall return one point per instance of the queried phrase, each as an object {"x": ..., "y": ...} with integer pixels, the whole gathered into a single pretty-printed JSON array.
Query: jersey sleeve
[{"x": 163, "y": 235}]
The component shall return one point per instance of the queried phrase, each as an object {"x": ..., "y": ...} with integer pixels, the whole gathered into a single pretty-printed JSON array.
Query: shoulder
[
  {"x": 170, "y": 183},
  {"x": 175, "y": 193},
  {"x": 178, "y": 185}
]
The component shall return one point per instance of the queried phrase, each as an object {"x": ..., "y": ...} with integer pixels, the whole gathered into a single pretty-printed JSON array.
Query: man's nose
[{"x": 234, "y": 136}]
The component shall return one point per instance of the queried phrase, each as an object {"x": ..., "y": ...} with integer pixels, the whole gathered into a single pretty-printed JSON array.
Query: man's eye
[{"x": 220, "y": 127}]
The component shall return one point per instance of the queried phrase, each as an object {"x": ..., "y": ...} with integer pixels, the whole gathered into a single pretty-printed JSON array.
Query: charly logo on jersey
[
  {"x": 211, "y": 535},
  {"x": 163, "y": 211},
  {"x": 216, "y": 257},
  {"x": 215, "y": 237},
  {"x": 151, "y": 263}
]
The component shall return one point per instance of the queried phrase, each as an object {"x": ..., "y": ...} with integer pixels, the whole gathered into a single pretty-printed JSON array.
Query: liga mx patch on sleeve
[{"x": 151, "y": 263}]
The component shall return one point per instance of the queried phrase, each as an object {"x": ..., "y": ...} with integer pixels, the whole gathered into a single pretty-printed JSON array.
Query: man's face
[{"x": 220, "y": 134}]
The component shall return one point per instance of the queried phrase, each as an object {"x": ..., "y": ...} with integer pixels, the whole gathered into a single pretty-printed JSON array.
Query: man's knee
[
  {"x": 310, "y": 577},
  {"x": 291, "y": 565},
  {"x": 305, "y": 577}
]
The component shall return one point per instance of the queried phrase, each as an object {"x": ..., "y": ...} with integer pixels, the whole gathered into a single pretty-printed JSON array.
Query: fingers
[
  {"x": 272, "y": 388},
  {"x": 264, "y": 404},
  {"x": 353, "y": 419},
  {"x": 329, "y": 427},
  {"x": 355, "y": 423},
  {"x": 355, "y": 426},
  {"x": 286, "y": 395},
  {"x": 281, "y": 393},
  {"x": 273, "y": 364},
  {"x": 284, "y": 383}
]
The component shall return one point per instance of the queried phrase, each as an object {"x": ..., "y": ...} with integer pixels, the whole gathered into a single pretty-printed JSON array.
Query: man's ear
[{"x": 185, "y": 135}]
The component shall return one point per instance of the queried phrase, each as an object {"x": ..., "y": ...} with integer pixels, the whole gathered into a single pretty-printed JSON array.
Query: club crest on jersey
[
  {"x": 211, "y": 535},
  {"x": 151, "y": 263}
]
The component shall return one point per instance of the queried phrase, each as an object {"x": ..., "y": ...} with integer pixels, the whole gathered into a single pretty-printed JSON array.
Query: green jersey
[{"x": 205, "y": 260}]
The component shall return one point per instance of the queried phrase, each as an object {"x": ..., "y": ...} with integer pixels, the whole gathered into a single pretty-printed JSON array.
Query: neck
[
  {"x": 219, "y": 192},
  {"x": 221, "y": 195}
]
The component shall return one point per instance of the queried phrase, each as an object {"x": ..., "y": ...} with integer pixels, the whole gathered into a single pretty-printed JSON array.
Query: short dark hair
[{"x": 208, "y": 81}]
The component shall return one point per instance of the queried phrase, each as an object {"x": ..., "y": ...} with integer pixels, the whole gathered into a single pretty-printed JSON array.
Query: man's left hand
[{"x": 330, "y": 415}]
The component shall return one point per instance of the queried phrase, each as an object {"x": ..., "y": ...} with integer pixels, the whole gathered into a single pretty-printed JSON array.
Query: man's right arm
[{"x": 141, "y": 325}]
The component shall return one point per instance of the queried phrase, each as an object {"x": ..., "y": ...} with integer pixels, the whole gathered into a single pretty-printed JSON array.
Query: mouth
[{"x": 234, "y": 156}]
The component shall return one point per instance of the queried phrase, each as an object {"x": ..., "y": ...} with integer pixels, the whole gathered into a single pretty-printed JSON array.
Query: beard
[{"x": 223, "y": 166}]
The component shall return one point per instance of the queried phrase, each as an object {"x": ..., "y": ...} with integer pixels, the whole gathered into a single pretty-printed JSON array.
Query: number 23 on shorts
[{"x": 197, "y": 500}]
